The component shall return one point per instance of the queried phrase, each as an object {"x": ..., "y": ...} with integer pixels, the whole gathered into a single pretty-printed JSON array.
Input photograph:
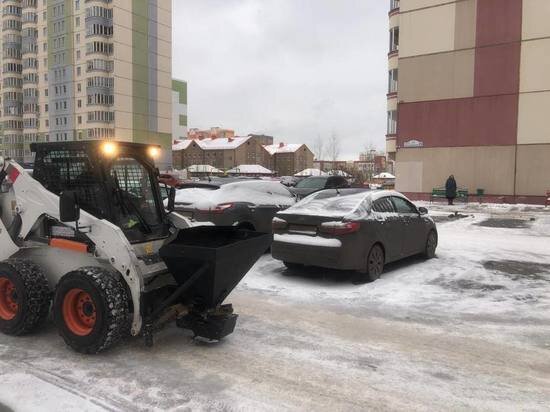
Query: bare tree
[
  {"x": 319, "y": 147},
  {"x": 334, "y": 147}
]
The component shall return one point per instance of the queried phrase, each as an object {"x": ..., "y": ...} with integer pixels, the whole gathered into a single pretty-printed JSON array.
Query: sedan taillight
[
  {"x": 279, "y": 224},
  {"x": 339, "y": 228}
]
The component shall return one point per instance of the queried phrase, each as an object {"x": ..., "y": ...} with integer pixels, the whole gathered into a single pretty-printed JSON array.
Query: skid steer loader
[{"x": 88, "y": 237}]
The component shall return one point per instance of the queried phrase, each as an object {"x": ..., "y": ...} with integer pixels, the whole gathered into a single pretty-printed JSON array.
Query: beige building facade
[
  {"x": 85, "y": 69},
  {"x": 472, "y": 100}
]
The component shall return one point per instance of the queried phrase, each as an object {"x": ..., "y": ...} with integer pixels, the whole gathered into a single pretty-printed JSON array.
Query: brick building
[
  {"x": 220, "y": 152},
  {"x": 227, "y": 153},
  {"x": 289, "y": 159}
]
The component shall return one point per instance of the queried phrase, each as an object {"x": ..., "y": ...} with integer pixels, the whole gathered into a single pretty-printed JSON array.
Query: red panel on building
[
  {"x": 498, "y": 21},
  {"x": 497, "y": 69},
  {"x": 477, "y": 121}
]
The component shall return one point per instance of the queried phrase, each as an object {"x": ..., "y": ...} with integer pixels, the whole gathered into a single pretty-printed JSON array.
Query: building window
[
  {"x": 392, "y": 81},
  {"x": 77, "y": 22},
  {"x": 394, "y": 39},
  {"x": 394, "y": 4},
  {"x": 392, "y": 122}
]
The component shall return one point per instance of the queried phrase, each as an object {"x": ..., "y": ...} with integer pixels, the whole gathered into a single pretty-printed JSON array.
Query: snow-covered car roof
[
  {"x": 342, "y": 202},
  {"x": 256, "y": 192}
]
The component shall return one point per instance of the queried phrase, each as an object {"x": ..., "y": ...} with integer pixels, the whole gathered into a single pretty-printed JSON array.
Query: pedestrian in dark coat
[{"x": 450, "y": 189}]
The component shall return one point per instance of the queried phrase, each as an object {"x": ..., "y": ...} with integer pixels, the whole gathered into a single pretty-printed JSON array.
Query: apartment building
[
  {"x": 85, "y": 69},
  {"x": 393, "y": 77},
  {"x": 179, "y": 109},
  {"x": 472, "y": 97}
]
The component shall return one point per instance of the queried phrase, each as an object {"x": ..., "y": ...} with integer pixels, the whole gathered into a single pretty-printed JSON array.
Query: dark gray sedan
[
  {"x": 313, "y": 184},
  {"x": 352, "y": 229}
]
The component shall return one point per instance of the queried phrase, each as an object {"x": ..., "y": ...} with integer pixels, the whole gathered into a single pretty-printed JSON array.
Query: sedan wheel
[
  {"x": 431, "y": 245},
  {"x": 375, "y": 263}
]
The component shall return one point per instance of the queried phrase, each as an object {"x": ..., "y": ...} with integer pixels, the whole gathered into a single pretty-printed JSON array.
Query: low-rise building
[
  {"x": 228, "y": 152},
  {"x": 289, "y": 159},
  {"x": 221, "y": 152}
]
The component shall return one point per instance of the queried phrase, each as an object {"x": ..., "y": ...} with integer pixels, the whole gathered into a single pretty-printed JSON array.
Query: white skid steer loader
[{"x": 88, "y": 237}]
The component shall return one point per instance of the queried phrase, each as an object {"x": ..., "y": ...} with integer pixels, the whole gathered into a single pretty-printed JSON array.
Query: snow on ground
[{"x": 469, "y": 330}]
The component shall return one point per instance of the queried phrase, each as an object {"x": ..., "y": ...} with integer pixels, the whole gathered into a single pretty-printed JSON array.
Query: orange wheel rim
[
  {"x": 79, "y": 312},
  {"x": 8, "y": 299}
]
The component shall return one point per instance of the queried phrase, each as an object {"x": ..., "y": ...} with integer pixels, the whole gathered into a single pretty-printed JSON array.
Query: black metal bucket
[{"x": 229, "y": 253}]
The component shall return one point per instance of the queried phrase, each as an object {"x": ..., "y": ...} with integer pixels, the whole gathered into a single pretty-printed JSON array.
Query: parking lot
[{"x": 467, "y": 330}]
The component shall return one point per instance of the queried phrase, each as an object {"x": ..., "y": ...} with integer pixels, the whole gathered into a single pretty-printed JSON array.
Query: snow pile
[
  {"x": 250, "y": 170},
  {"x": 203, "y": 169},
  {"x": 254, "y": 192}
]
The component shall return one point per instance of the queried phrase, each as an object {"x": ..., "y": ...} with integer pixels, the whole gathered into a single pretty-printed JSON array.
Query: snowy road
[{"x": 468, "y": 330}]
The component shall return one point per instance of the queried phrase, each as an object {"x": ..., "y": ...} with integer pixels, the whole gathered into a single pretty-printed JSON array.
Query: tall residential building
[
  {"x": 473, "y": 96},
  {"x": 393, "y": 71},
  {"x": 85, "y": 69},
  {"x": 179, "y": 109}
]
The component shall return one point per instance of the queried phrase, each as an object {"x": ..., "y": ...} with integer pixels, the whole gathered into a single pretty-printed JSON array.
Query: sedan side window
[
  {"x": 383, "y": 205},
  {"x": 403, "y": 206}
]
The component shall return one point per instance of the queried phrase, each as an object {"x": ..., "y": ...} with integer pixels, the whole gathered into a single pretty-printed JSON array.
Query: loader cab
[{"x": 116, "y": 181}]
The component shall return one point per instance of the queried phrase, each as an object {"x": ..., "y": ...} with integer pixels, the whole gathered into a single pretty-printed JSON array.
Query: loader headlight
[
  {"x": 109, "y": 149},
  {"x": 154, "y": 152}
]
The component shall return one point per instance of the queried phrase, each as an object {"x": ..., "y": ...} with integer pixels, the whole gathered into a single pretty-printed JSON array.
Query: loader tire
[
  {"x": 91, "y": 309},
  {"x": 25, "y": 297}
]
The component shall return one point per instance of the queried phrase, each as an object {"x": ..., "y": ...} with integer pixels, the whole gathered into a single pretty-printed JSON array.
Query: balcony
[{"x": 394, "y": 6}]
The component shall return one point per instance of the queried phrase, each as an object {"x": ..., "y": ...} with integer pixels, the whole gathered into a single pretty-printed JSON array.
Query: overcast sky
[{"x": 293, "y": 69}]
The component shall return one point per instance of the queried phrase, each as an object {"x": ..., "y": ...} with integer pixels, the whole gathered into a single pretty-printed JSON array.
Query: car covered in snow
[
  {"x": 248, "y": 204},
  {"x": 313, "y": 184},
  {"x": 352, "y": 229}
]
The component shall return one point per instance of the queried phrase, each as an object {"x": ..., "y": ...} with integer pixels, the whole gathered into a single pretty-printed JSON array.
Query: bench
[{"x": 441, "y": 193}]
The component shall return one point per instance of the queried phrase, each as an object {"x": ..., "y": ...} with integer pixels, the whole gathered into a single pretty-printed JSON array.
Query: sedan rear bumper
[{"x": 315, "y": 251}]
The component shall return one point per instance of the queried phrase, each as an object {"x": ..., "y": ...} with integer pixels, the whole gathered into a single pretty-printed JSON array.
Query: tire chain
[
  {"x": 37, "y": 291},
  {"x": 115, "y": 299}
]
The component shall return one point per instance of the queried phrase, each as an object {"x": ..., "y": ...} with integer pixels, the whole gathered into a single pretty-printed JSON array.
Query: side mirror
[
  {"x": 69, "y": 211},
  {"x": 422, "y": 210},
  {"x": 171, "y": 199}
]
